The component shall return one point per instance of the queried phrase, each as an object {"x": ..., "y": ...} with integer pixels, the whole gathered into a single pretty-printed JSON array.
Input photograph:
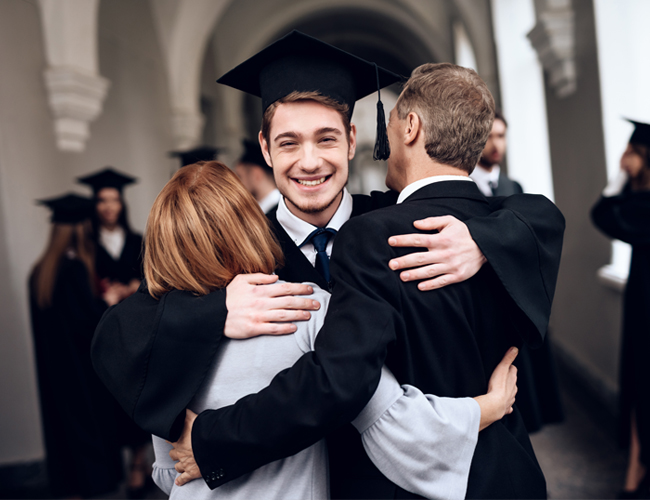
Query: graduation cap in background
[
  {"x": 202, "y": 153},
  {"x": 253, "y": 154},
  {"x": 107, "y": 178},
  {"x": 641, "y": 134},
  {"x": 69, "y": 208},
  {"x": 298, "y": 62}
]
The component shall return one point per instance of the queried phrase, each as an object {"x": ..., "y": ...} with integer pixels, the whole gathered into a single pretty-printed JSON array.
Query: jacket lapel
[{"x": 296, "y": 267}]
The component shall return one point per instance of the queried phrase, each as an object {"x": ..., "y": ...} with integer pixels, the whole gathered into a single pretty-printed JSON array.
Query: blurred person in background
[
  {"x": 119, "y": 259},
  {"x": 118, "y": 265},
  {"x": 623, "y": 213},
  {"x": 257, "y": 176},
  {"x": 539, "y": 399},
  {"x": 488, "y": 175},
  {"x": 82, "y": 457},
  {"x": 191, "y": 156}
]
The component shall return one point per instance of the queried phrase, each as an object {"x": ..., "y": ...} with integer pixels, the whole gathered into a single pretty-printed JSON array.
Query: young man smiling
[{"x": 308, "y": 143}]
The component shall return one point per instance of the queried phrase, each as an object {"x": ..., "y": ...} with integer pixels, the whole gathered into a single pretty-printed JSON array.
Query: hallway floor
[{"x": 579, "y": 459}]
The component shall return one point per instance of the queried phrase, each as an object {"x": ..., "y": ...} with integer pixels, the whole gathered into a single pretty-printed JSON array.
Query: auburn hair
[
  {"x": 63, "y": 237},
  {"x": 204, "y": 229}
]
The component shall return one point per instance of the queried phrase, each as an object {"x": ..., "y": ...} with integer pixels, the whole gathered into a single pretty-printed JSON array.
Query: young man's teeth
[{"x": 311, "y": 183}]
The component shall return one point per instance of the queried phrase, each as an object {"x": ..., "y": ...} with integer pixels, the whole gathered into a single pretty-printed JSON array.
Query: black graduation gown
[
  {"x": 137, "y": 341},
  {"x": 538, "y": 397},
  {"x": 626, "y": 217},
  {"x": 127, "y": 267},
  {"x": 79, "y": 430}
]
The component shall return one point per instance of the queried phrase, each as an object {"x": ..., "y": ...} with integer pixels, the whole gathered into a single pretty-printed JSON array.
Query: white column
[
  {"x": 522, "y": 96},
  {"x": 463, "y": 50},
  {"x": 623, "y": 41},
  {"x": 76, "y": 90}
]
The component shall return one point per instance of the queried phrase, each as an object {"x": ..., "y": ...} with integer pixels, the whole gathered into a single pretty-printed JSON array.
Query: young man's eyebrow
[
  {"x": 283, "y": 135},
  {"x": 329, "y": 130}
]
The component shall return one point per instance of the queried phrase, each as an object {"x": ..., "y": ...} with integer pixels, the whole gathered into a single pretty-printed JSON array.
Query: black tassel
[{"x": 382, "y": 147}]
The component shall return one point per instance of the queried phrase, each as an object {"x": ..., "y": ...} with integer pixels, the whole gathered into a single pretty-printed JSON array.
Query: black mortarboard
[
  {"x": 298, "y": 62},
  {"x": 107, "y": 178},
  {"x": 253, "y": 154},
  {"x": 202, "y": 153},
  {"x": 641, "y": 134},
  {"x": 69, "y": 208}
]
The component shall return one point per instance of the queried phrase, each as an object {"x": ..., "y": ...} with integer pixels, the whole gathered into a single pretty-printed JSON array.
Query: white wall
[{"x": 522, "y": 96}]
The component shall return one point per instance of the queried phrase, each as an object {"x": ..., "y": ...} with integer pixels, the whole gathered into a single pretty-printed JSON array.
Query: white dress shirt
[
  {"x": 483, "y": 179},
  {"x": 298, "y": 229},
  {"x": 113, "y": 241},
  {"x": 417, "y": 185},
  {"x": 270, "y": 201}
]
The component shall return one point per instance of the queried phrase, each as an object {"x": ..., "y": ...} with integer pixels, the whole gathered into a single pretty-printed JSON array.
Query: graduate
[
  {"x": 308, "y": 90},
  {"x": 119, "y": 249},
  {"x": 80, "y": 435},
  {"x": 623, "y": 213},
  {"x": 201, "y": 153},
  {"x": 119, "y": 265},
  {"x": 257, "y": 176}
]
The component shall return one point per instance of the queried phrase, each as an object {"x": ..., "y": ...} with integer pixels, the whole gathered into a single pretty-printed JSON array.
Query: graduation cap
[
  {"x": 641, "y": 134},
  {"x": 253, "y": 154},
  {"x": 69, "y": 208},
  {"x": 298, "y": 62},
  {"x": 202, "y": 153},
  {"x": 107, "y": 178}
]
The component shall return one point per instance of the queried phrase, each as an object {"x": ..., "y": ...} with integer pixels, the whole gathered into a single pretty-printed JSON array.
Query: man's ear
[
  {"x": 265, "y": 149},
  {"x": 411, "y": 128},
  {"x": 352, "y": 141}
]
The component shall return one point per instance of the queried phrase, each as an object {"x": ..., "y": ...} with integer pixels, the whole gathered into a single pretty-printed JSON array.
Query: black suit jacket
[
  {"x": 138, "y": 340},
  {"x": 507, "y": 187}
]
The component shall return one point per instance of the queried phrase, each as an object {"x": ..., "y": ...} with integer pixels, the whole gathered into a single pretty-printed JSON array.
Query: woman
[
  {"x": 623, "y": 213},
  {"x": 119, "y": 265},
  {"x": 82, "y": 459},
  {"x": 204, "y": 229},
  {"x": 119, "y": 249}
]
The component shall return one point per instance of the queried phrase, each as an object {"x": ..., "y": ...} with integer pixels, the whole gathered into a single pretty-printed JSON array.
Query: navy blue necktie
[
  {"x": 319, "y": 238},
  {"x": 493, "y": 187}
]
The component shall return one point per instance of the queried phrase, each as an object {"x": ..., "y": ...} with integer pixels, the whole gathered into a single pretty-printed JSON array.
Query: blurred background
[{"x": 86, "y": 84}]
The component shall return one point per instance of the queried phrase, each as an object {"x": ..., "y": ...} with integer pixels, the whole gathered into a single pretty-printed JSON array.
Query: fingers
[
  {"x": 256, "y": 278},
  {"x": 510, "y": 356},
  {"x": 417, "y": 240},
  {"x": 285, "y": 289},
  {"x": 186, "y": 477},
  {"x": 417, "y": 259},
  {"x": 431, "y": 223},
  {"x": 174, "y": 455},
  {"x": 293, "y": 303},
  {"x": 439, "y": 282}
]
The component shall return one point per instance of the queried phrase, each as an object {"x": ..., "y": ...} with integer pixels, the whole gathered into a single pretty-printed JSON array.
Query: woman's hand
[{"x": 502, "y": 389}]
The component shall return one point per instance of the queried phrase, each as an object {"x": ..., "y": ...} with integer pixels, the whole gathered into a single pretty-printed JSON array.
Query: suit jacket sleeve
[
  {"x": 522, "y": 240},
  {"x": 153, "y": 355},
  {"x": 325, "y": 388},
  {"x": 625, "y": 217}
]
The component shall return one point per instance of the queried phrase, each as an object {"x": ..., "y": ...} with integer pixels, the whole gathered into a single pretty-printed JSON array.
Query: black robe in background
[
  {"x": 626, "y": 217},
  {"x": 128, "y": 267},
  {"x": 125, "y": 269},
  {"x": 77, "y": 410}
]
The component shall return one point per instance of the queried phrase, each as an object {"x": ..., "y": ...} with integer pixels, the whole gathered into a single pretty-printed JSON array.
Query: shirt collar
[
  {"x": 483, "y": 178},
  {"x": 270, "y": 200},
  {"x": 298, "y": 229},
  {"x": 417, "y": 185}
]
